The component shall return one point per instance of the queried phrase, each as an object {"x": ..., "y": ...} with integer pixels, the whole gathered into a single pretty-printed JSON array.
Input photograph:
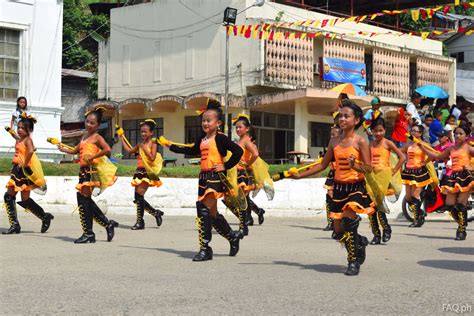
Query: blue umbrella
[{"x": 432, "y": 91}]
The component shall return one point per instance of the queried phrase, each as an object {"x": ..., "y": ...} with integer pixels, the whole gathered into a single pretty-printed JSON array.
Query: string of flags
[{"x": 279, "y": 30}]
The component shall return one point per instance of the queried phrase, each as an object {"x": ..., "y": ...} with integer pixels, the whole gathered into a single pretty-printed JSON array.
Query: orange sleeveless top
[
  {"x": 86, "y": 149},
  {"x": 245, "y": 158},
  {"x": 20, "y": 154},
  {"x": 140, "y": 159},
  {"x": 209, "y": 154},
  {"x": 380, "y": 156},
  {"x": 344, "y": 173},
  {"x": 461, "y": 159},
  {"x": 416, "y": 157}
]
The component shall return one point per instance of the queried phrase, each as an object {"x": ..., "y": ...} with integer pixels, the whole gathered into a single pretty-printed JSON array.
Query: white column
[{"x": 301, "y": 126}]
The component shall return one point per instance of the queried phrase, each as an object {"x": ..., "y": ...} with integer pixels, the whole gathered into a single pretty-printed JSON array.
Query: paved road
[{"x": 286, "y": 266}]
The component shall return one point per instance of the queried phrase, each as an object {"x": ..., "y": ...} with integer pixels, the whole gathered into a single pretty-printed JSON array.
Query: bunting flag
[
  {"x": 267, "y": 32},
  {"x": 329, "y": 22}
]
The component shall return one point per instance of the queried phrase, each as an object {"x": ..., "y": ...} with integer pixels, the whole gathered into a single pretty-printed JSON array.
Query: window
[
  {"x": 320, "y": 134},
  {"x": 9, "y": 64},
  {"x": 256, "y": 118},
  {"x": 192, "y": 130},
  {"x": 459, "y": 57},
  {"x": 132, "y": 132}
]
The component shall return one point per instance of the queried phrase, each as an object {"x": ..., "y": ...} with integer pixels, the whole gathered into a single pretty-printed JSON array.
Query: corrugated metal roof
[{"x": 76, "y": 73}]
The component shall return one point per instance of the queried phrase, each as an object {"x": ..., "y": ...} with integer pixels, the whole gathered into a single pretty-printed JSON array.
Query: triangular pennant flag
[
  {"x": 352, "y": 19},
  {"x": 272, "y": 34},
  {"x": 333, "y": 36},
  {"x": 235, "y": 30},
  {"x": 248, "y": 32},
  {"x": 362, "y": 18},
  {"x": 324, "y": 23},
  {"x": 229, "y": 30},
  {"x": 430, "y": 13},
  {"x": 424, "y": 35},
  {"x": 446, "y": 9},
  {"x": 303, "y": 35},
  {"x": 415, "y": 15},
  {"x": 423, "y": 14},
  {"x": 456, "y": 2},
  {"x": 373, "y": 16},
  {"x": 465, "y": 5},
  {"x": 469, "y": 33},
  {"x": 317, "y": 23}
]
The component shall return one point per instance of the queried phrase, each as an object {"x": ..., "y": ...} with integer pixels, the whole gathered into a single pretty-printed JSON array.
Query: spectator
[
  {"x": 450, "y": 126},
  {"x": 456, "y": 110},
  {"x": 465, "y": 110},
  {"x": 371, "y": 115},
  {"x": 412, "y": 108},
  {"x": 435, "y": 128},
  {"x": 444, "y": 142},
  {"x": 426, "y": 126},
  {"x": 400, "y": 129},
  {"x": 443, "y": 106}
]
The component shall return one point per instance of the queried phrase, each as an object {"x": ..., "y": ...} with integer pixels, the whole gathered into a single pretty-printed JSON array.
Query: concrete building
[
  {"x": 165, "y": 58},
  {"x": 30, "y": 66}
]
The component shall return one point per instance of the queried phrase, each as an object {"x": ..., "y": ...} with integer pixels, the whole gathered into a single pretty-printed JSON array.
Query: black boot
[
  {"x": 203, "y": 221},
  {"x": 242, "y": 216},
  {"x": 140, "y": 203},
  {"x": 221, "y": 225},
  {"x": 419, "y": 212},
  {"x": 86, "y": 217},
  {"x": 11, "y": 213},
  {"x": 462, "y": 222},
  {"x": 259, "y": 211},
  {"x": 349, "y": 240},
  {"x": 387, "y": 229},
  {"x": 103, "y": 221},
  {"x": 158, "y": 214},
  {"x": 360, "y": 242},
  {"x": 374, "y": 225},
  {"x": 35, "y": 209},
  {"x": 418, "y": 216},
  {"x": 330, "y": 225}
]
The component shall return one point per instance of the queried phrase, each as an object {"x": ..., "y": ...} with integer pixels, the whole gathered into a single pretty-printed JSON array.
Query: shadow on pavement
[
  {"x": 458, "y": 250},
  {"x": 306, "y": 227},
  {"x": 181, "y": 253},
  {"x": 430, "y": 237},
  {"x": 326, "y": 268},
  {"x": 453, "y": 265}
]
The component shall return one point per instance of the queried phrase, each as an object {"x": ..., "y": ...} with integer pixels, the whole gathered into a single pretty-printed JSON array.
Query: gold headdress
[
  {"x": 240, "y": 116},
  {"x": 99, "y": 109},
  {"x": 25, "y": 116}
]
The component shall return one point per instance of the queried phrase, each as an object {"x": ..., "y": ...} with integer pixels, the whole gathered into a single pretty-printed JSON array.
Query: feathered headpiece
[
  {"x": 241, "y": 116},
  {"x": 25, "y": 116},
  {"x": 99, "y": 109}
]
